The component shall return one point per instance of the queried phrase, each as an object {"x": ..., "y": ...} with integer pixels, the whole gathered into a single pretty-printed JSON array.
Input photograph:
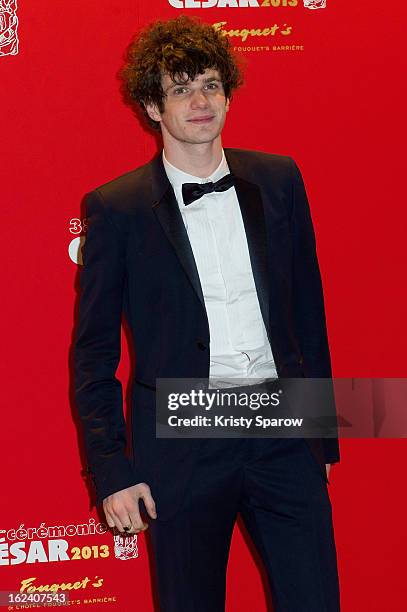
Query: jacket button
[{"x": 201, "y": 346}]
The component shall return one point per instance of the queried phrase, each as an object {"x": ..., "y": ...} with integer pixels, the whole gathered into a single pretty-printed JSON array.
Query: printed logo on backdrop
[
  {"x": 125, "y": 546},
  {"x": 276, "y": 37},
  {"x": 315, "y": 4},
  {"x": 8, "y": 27},
  {"x": 32, "y": 547},
  {"x": 48, "y": 544},
  {"x": 78, "y": 228},
  {"x": 194, "y": 4}
]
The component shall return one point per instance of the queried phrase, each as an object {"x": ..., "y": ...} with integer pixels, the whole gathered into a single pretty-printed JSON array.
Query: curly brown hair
[{"x": 179, "y": 46}]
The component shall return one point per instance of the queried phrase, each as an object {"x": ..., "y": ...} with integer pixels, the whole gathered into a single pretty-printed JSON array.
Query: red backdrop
[{"x": 322, "y": 85}]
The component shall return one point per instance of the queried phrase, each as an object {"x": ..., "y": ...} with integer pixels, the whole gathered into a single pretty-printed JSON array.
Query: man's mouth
[{"x": 203, "y": 119}]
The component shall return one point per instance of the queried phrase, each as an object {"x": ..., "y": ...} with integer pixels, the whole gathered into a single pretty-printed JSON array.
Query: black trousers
[{"x": 279, "y": 490}]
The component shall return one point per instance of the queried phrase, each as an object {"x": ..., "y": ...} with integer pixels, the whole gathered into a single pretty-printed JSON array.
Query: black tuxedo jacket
[{"x": 138, "y": 262}]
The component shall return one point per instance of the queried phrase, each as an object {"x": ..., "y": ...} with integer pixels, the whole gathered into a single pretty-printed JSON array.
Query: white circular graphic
[{"x": 75, "y": 249}]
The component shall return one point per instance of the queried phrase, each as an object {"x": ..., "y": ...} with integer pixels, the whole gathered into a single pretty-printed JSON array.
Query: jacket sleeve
[
  {"x": 98, "y": 393},
  {"x": 309, "y": 311}
]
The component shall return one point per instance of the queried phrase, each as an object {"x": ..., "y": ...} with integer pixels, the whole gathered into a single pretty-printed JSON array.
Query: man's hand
[
  {"x": 122, "y": 508},
  {"x": 328, "y": 468}
]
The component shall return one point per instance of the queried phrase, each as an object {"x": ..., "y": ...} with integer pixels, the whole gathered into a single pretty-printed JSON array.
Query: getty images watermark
[
  {"x": 241, "y": 408},
  {"x": 281, "y": 407},
  {"x": 221, "y": 401}
]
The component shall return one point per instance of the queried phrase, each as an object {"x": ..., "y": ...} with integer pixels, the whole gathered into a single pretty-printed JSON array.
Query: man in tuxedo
[{"x": 210, "y": 255}]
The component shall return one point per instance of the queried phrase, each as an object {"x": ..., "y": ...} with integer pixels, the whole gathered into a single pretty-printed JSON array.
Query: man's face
[{"x": 195, "y": 111}]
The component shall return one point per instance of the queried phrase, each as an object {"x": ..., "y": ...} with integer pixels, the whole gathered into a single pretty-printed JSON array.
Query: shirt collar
[{"x": 177, "y": 177}]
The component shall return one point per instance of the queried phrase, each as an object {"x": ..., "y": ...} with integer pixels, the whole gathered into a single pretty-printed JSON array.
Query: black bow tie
[{"x": 194, "y": 191}]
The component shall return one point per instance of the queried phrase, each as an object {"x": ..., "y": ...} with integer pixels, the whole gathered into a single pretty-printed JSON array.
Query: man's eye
[{"x": 183, "y": 89}]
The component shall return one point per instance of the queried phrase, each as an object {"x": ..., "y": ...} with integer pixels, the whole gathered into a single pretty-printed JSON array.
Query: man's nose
[{"x": 199, "y": 99}]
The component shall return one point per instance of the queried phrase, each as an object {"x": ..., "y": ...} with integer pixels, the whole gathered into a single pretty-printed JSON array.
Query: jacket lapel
[
  {"x": 251, "y": 207},
  {"x": 252, "y": 210},
  {"x": 168, "y": 214}
]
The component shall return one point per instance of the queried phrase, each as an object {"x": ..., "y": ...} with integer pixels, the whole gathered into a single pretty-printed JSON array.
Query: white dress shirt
[{"x": 239, "y": 347}]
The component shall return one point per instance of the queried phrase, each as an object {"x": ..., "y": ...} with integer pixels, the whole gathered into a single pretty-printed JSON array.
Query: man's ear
[
  {"x": 153, "y": 112},
  {"x": 227, "y": 104}
]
